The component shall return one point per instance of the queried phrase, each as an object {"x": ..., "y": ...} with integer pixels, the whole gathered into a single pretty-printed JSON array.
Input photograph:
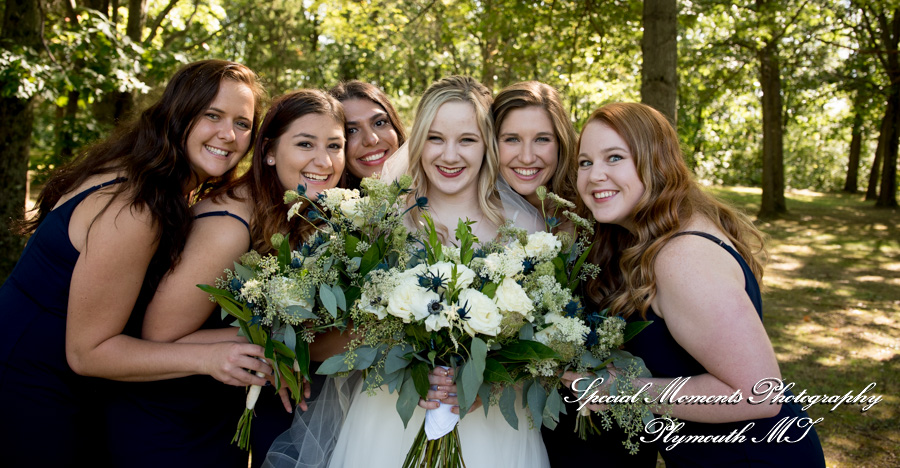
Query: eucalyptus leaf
[
  {"x": 339, "y": 296},
  {"x": 290, "y": 337},
  {"x": 244, "y": 273},
  {"x": 420, "y": 372},
  {"x": 508, "y": 406},
  {"x": 333, "y": 365},
  {"x": 394, "y": 379},
  {"x": 396, "y": 358},
  {"x": 526, "y": 332},
  {"x": 365, "y": 356},
  {"x": 552, "y": 408},
  {"x": 408, "y": 400},
  {"x": 537, "y": 399},
  {"x": 485, "y": 393},
  {"x": 328, "y": 299},
  {"x": 300, "y": 312},
  {"x": 495, "y": 372}
]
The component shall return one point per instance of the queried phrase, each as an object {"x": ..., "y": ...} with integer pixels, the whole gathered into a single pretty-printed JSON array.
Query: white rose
[
  {"x": 510, "y": 297},
  {"x": 484, "y": 317},
  {"x": 542, "y": 246},
  {"x": 408, "y": 301},
  {"x": 546, "y": 335},
  {"x": 353, "y": 210},
  {"x": 464, "y": 275}
]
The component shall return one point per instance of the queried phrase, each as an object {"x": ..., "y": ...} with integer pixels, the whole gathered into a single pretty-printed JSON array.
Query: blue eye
[{"x": 584, "y": 163}]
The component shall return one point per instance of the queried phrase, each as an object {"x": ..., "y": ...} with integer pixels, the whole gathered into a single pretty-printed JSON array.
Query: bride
[{"x": 453, "y": 160}]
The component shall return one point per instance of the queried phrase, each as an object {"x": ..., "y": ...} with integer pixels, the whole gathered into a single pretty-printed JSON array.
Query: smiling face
[
  {"x": 311, "y": 153},
  {"x": 371, "y": 139},
  {"x": 608, "y": 181},
  {"x": 221, "y": 134},
  {"x": 454, "y": 151},
  {"x": 529, "y": 151}
]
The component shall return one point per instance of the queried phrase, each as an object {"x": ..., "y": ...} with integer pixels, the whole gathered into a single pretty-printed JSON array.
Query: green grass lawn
[{"x": 832, "y": 310}]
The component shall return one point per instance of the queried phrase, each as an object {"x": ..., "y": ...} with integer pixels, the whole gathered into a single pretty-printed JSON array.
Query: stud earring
[{"x": 271, "y": 161}]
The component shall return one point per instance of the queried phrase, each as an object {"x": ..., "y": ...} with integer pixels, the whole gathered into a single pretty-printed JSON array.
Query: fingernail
[
  {"x": 443, "y": 395},
  {"x": 268, "y": 384}
]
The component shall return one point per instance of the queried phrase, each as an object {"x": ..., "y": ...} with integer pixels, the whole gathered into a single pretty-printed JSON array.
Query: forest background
[{"x": 785, "y": 97}]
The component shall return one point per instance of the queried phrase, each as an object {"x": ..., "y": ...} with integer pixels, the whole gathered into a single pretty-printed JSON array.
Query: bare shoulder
[{"x": 239, "y": 205}]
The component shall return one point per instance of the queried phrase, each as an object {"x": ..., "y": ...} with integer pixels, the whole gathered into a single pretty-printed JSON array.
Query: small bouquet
[
  {"x": 586, "y": 342},
  {"x": 282, "y": 301}
]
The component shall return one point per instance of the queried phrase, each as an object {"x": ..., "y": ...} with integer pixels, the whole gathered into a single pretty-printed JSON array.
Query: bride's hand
[
  {"x": 443, "y": 390},
  {"x": 582, "y": 388}
]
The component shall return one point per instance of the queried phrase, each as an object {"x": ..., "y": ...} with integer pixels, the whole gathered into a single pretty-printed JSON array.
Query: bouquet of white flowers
[{"x": 282, "y": 301}]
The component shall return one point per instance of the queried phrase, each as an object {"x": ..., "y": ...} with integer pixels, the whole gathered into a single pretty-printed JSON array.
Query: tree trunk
[
  {"x": 872, "y": 187},
  {"x": 113, "y": 107},
  {"x": 21, "y": 27},
  {"x": 773, "y": 202},
  {"x": 887, "y": 196},
  {"x": 659, "y": 45},
  {"x": 852, "y": 182}
]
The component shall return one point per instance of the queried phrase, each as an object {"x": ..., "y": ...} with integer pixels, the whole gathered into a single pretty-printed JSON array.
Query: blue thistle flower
[
  {"x": 296, "y": 263},
  {"x": 527, "y": 266},
  {"x": 431, "y": 281},
  {"x": 591, "y": 338},
  {"x": 236, "y": 284},
  {"x": 301, "y": 189},
  {"x": 572, "y": 309},
  {"x": 463, "y": 311}
]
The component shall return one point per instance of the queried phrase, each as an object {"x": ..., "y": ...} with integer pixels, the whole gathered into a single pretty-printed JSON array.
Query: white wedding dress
[{"x": 346, "y": 427}]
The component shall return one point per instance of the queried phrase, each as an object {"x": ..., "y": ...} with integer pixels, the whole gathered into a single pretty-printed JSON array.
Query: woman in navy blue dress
[
  {"x": 672, "y": 254},
  {"x": 301, "y": 142},
  {"x": 109, "y": 226}
]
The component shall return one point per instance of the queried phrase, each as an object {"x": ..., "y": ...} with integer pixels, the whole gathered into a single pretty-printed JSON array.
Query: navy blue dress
[
  {"x": 50, "y": 415},
  {"x": 664, "y": 357},
  {"x": 190, "y": 421}
]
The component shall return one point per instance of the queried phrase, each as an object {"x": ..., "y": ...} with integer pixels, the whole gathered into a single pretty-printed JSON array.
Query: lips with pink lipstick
[
  {"x": 373, "y": 158},
  {"x": 450, "y": 171},
  {"x": 527, "y": 173}
]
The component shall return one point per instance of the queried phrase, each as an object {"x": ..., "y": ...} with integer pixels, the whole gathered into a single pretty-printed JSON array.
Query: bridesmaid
[
  {"x": 536, "y": 140},
  {"x": 537, "y": 146},
  {"x": 374, "y": 130},
  {"x": 676, "y": 256},
  {"x": 109, "y": 225},
  {"x": 301, "y": 142}
]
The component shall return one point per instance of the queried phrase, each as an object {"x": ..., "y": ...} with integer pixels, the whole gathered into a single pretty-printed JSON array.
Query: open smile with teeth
[
  {"x": 373, "y": 156},
  {"x": 316, "y": 177},
  {"x": 526, "y": 171},
  {"x": 604, "y": 194},
  {"x": 449, "y": 170},
  {"x": 216, "y": 151}
]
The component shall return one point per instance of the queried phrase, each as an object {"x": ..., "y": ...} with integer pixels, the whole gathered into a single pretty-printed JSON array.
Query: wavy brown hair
[
  {"x": 537, "y": 94},
  {"x": 671, "y": 197},
  {"x": 150, "y": 153},
  {"x": 269, "y": 212},
  {"x": 457, "y": 89}
]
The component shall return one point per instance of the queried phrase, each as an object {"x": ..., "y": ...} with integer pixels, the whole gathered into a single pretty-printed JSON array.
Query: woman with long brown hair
[
  {"x": 109, "y": 225},
  {"x": 301, "y": 142},
  {"x": 674, "y": 255}
]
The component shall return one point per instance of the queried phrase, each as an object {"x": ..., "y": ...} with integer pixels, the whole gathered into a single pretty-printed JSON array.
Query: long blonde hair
[
  {"x": 671, "y": 197},
  {"x": 457, "y": 89}
]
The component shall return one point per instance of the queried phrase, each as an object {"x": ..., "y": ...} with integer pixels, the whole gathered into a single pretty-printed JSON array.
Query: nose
[
  {"x": 226, "y": 131},
  {"x": 370, "y": 138},
  {"x": 451, "y": 153},
  {"x": 322, "y": 159},
  {"x": 598, "y": 173},
  {"x": 527, "y": 156}
]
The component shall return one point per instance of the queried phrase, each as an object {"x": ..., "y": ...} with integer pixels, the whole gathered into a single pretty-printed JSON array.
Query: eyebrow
[
  {"x": 377, "y": 114},
  {"x": 223, "y": 112}
]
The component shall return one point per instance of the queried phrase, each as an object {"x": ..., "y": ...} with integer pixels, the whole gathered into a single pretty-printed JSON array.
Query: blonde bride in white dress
[{"x": 454, "y": 162}]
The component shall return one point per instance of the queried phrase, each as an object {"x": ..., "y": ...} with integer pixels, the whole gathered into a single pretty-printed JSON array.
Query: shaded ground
[{"x": 832, "y": 310}]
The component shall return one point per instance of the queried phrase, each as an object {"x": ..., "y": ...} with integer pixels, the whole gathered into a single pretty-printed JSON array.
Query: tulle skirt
[{"x": 372, "y": 434}]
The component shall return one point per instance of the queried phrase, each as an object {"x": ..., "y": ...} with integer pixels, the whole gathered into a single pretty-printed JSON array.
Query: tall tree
[
  {"x": 852, "y": 181},
  {"x": 659, "y": 45},
  {"x": 20, "y": 38}
]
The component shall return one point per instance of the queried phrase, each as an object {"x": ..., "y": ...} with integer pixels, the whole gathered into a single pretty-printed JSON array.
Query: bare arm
[{"x": 105, "y": 285}]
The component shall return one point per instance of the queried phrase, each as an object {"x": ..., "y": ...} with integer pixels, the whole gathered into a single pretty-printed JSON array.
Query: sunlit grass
[{"x": 832, "y": 310}]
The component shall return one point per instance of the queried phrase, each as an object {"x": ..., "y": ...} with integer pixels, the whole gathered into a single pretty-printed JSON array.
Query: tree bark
[
  {"x": 887, "y": 194},
  {"x": 773, "y": 202},
  {"x": 21, "y": 27},
  {"x": 875, "y": 173},
  {"x": 852, "y": 183},
  {"x": 659, "y": 46},
  {"x": 113, "y": 107}
]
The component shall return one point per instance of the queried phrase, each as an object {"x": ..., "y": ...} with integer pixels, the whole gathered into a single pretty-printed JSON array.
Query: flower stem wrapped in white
[{"x": 242, "y": 436}]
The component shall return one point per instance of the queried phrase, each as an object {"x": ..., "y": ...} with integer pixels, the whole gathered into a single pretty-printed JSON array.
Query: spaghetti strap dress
[
  {"x": 664, "y": 357},
  {"x": 190, "y": 421},
  {"x": 50, "y": 412}
]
